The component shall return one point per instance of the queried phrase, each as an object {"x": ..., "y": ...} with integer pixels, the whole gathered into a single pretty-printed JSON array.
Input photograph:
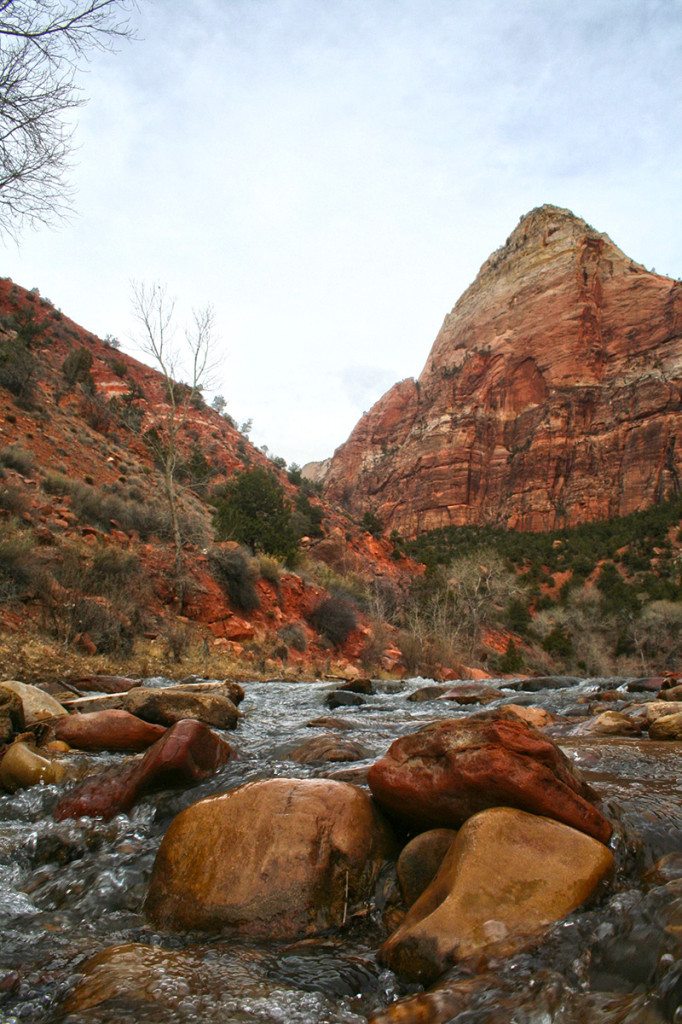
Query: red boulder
[
  {"x": 107, "y": 730},
  {"x": 188, "y": 752},
  {"x": 448, "y": 771}
]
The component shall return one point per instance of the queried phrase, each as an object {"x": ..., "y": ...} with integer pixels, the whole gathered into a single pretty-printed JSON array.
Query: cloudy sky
[{"x": 330, "y": 175}]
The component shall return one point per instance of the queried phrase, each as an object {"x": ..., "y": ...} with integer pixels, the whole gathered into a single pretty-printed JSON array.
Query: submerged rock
[
  {"x": 277, "y": 859},
  {"x": 448, "y": 771},
  {"x": 471, "y": 693},
  {"x": 343, "y": 699},
  {"x": 187, "y": 752},
  {"x": 107, "y": 730},
  {"x": 328, "y": 748},
  {"x": 169, "y": 705},
  {"x": 506, "y": 877}
]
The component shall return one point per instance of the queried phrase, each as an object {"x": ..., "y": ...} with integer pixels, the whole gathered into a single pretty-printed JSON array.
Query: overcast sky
[{"x": 331, "y": 174}]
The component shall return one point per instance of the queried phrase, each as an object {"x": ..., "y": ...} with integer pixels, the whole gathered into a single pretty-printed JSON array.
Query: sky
[{"x": 329, "y": 175}]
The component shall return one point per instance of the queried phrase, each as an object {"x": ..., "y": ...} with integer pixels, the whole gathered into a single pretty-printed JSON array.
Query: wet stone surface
[{"x": 70, "y": 889}]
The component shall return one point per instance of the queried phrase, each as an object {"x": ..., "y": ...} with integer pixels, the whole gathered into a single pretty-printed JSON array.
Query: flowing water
[{"x": 69, "y": 889}]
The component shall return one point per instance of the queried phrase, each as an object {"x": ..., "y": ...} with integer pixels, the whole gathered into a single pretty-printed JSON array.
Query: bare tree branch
[{"x": 43, "y": 44}]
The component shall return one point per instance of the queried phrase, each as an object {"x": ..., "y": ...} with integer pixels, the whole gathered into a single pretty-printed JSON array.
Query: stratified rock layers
[{"x": 551, "y": 395}]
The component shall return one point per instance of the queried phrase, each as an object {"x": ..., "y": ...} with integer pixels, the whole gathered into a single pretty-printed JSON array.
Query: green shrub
[
  {"x": 558, "y": 642},
  {"x": 511, "y": 660},
  {"x": 372, "y": 524},
  {"x": 16, "y": 457},
  {"x": 270, "y": 570},
  {"x": 236, "y": 572},
  {"x": 252, "y": 509},
  {"x": 18, "y": 371},
  {"x": 77, "y": 365},
  {"x": 293, "y": 636},
  {"x": 12, "y": 499},
  {"x": 334, "y": 618}
]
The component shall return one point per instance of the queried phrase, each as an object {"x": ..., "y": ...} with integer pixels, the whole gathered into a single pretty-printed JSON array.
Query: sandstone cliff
[{"x": 551, "y": 395}]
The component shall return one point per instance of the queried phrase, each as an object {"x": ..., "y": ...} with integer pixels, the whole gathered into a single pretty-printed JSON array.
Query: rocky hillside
[
  {"x": 87, "y": 560},
  {"x": 551, "y": 395}
]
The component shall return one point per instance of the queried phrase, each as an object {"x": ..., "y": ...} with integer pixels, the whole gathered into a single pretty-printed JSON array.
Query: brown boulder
[
  {"x": 224, "y": 864},
  {"x": 656, "y": 709},
  {"x": 669, "y": 727},
  {"x": 673, "y": 693},
  {"x": 420, "y": 860},
  {"x": 426, "y": 693},
  {"x": 506, "y": 877},
  {"x": 187, "y": 752},
  {"x": 107, "y": 730},
  {"x": 169, "y": 705},
  {"x": 221, "y": 687},
  {"x": 448, "y": 771},
  {"x": 328, "y": 748}
]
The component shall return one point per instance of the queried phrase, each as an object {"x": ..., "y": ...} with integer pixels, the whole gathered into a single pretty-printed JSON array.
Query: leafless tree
[
  {"x": 154, "y": 311},
  {"x": 43, "y": 44}
]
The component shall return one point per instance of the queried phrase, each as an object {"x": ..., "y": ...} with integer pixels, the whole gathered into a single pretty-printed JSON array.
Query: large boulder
[
  {"x": 107, "y": 730},
  {"x": 187, "y": 752},
  {"x": 537, "y": 717},
  {"x": 610, "y": 723},
  {"x": 37, "y": 705},
  {"x": 277, "y": 859},
  {"x": 450, "y": 770},
  {"x": 169, "y": 705},
  {"x": 506, "y": 877}
]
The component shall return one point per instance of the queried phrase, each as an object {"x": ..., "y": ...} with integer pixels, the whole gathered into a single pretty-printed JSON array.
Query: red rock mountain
[{"x": 551, "y": 395}]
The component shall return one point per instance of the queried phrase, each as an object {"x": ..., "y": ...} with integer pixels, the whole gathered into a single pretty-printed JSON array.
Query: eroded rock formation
[{"x": 551, "y": 395}]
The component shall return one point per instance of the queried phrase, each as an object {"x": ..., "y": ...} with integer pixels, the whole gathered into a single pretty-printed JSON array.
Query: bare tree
[
  {"x": 43, "y": 44},
  {"x": 154, "y": 311}
]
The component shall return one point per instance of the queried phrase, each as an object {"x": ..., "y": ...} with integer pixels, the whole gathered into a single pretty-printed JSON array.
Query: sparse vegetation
[
  {"x": 335, "y": 619},
  {"x": 236, "y": 572}
]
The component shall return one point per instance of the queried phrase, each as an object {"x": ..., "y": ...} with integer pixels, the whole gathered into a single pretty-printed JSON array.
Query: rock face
[
  {"x": 276, "y": 859},
  {"x": 550, "y": 396},
  {"x": 448, "y": 771},
  {"x": 506, "y": 876}
]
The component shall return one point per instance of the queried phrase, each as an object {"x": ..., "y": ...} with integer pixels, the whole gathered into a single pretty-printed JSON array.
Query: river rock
[
  {"x": 329, "y": 722},
  {"x": 343, "y": 699},
  {"x": 221, "y": 687},
  {"x": 427, "y": 693},
  {"x": 107, "y": 730},
  {"x": 187, "y": 752},
  {"x": 674, "y": 693},
  {"x": 21, "y": 767},
  {"x": 506, "y": 877},
  {"x": 447, "y": 771},
  {"x": 328, "y": 748},
  {"x": 471, "y": 693},
  {"x": 420, "y": 860},
  {"x": 11, "y": 715},
  {"x": 169, "y": 705},
  {"x": 667, "y": 728},
  {"x": 537, "y": 717},
  {"x": 139, "y": 973},
  {"x": 222, "y": 864},
  {"x": 656, "y": 709},
  {"x": 537, "y": 683},
  {"x": 610, "y": 723},
  {"x": 37, "y": 705},
  {"x": 357, "y": 686}
]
